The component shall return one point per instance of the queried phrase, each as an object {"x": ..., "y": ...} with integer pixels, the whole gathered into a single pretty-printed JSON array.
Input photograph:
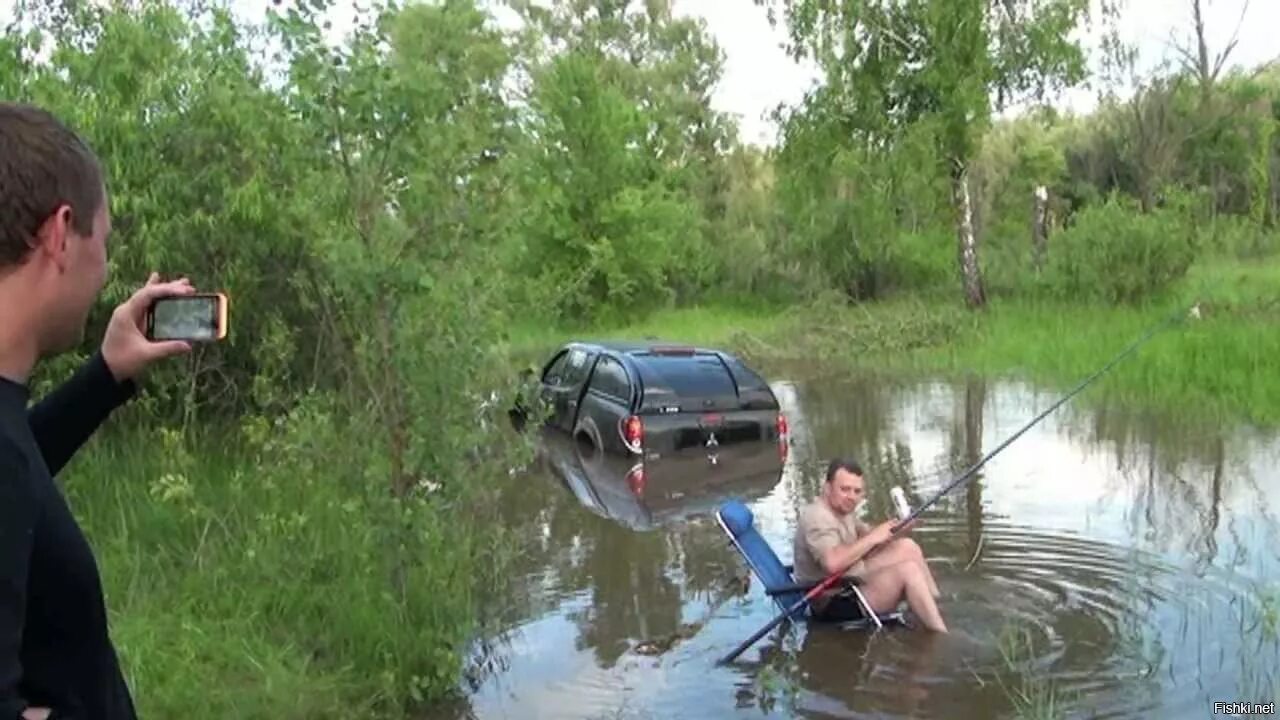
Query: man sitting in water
[{"x": 829, "y": 538}]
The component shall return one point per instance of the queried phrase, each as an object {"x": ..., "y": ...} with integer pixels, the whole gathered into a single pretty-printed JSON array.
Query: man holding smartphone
[{"x": 56, "y": 655}]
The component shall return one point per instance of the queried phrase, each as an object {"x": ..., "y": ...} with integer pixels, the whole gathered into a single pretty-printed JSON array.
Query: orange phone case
[
  {"x": 224, "y": 316},
  {"x": 223, "y": 313}
]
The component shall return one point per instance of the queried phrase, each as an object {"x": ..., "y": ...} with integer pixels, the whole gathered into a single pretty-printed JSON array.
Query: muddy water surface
[{"x": 1104, "y": 565}]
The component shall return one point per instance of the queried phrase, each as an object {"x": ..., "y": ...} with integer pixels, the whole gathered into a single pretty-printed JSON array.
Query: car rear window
[{"x": 692, "y": 376}]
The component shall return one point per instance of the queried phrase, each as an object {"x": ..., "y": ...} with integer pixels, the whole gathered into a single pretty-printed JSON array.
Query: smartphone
[{"x": 197, "y": 318}]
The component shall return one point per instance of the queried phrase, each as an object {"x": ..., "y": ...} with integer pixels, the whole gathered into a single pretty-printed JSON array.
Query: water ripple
[{"x": 1041, "y": 616}]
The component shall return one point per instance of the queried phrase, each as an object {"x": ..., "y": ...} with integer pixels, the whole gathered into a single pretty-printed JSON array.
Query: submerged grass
[
  {"x": 1034, "y": 695},
  {"x": 1259, "y": 674}
]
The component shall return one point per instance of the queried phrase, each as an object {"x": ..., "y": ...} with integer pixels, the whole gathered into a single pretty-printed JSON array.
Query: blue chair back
[{"x": 738, "y": 521}]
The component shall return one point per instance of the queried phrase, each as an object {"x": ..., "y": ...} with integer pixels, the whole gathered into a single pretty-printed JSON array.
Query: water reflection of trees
[
  {"x": 1187, "y": 488},
  {"x": 632, "y": 595},
  {"x": 625, "y": 585},
  {"x": 1175, "y": 480},
  {"x": 639, "y": 583},
  {"x": 1108, "y": 634},
  {"x": 967, "y": 450},
  {"x": 1177, "y": 476},
  {"x": 1105, "y": 600},
  {"x": 854, "y": 418}
]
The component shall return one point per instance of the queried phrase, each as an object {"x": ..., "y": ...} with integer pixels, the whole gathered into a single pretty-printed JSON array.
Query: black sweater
[{"x": 55, "y": 650}]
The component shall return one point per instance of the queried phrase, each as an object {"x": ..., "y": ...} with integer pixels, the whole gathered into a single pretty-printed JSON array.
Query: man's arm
[
  {"x": 836, "y": 557},
  {"x": 66, "y": 417},
  {"x": 64, "y": 420},
  {"x": 18, "y": 513}
]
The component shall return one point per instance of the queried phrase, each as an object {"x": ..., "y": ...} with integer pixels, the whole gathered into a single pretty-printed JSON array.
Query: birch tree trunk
[
  {"x": 1272, "y": 212},
  {"x": 1039, "y": 227},
  {"x": 974, "y": 295}
]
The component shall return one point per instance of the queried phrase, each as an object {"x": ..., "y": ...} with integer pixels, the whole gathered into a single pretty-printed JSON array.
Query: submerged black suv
[{"x": 649, "y": 400}]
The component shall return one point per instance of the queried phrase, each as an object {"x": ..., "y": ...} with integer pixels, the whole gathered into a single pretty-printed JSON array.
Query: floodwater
[{"x": 1105, "y": 564}]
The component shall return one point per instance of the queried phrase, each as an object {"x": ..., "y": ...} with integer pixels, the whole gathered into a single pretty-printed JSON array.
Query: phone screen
[{"x": 185, "y": 318}]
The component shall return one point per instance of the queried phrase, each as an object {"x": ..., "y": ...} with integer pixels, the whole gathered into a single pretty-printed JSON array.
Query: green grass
[
  {"x": 1034, "y": 695},
  {"x": 711, "y": 324},
  {"x": 1238, "y": 286},
  {"x": 1212, "y": 369},
  {"x": 280, "y": 584}
]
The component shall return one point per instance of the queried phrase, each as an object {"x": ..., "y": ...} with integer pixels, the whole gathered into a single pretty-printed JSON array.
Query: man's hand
[
  {"x": 35, "y": 713},
  {"x": 883, "y": 533},
  {"x": 125, "y": 348}
]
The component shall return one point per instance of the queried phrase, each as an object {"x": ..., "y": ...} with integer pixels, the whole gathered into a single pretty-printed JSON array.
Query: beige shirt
[{"x": 820, "y": 529}]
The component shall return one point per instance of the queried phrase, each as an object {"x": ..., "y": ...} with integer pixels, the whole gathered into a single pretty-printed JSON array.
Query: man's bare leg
[
  {"x": 885, "y": 587},
  {"x": 918, "y": 555},
  {"x": 903, "y": 550},
  {"x": 928, "y": 576}
]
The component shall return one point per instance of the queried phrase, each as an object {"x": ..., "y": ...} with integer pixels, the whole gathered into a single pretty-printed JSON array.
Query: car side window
[
  {"x": 579, "y": 363},
  {"x": 556, "y": 370},
  {"x": 611, "y": 379}
]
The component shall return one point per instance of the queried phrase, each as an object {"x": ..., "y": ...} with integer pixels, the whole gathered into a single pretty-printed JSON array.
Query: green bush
[
  {"x": 269, "y": 574},
  {"x": 1114, "y": 253},
  {"x": 1238, "y": 237},
  {"x": 920, "y": 261}
]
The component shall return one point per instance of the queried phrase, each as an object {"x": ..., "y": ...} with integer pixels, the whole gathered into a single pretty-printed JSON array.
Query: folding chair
[{"x": 738, "y": 522}]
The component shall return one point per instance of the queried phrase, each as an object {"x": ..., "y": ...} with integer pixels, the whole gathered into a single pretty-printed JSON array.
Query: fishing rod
[{"x": 1193, "y": 312}]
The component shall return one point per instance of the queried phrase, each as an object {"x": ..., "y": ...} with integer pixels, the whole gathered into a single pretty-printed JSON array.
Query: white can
[{"x": 900, "y": 502}]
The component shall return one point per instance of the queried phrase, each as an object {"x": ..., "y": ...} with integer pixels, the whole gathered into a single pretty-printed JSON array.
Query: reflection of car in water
[
  {"x": 644, "y": 401},
  {"x": 646, "y": 494}
]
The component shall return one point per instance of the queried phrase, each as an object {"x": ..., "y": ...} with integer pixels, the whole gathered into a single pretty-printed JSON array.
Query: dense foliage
[
  {"x": 383, "y": 210},
  {"x": 572, "y": 168}
]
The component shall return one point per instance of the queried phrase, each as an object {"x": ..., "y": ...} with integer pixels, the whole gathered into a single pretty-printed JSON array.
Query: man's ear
[{"x": 53, "y": 235}]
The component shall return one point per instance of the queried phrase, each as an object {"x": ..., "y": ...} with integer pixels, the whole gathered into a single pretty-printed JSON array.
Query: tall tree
[
  {"x": 628, "y": 154},
  {"x": 1214, "y": 108},
  {"x": 1197, "y": 61},
  {"x": 403, "y": 121},
  {"x": 895, "y": 64}
]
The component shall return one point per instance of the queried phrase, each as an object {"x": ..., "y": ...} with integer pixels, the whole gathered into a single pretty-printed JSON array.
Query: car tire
[{"x": 587, "y": 440}]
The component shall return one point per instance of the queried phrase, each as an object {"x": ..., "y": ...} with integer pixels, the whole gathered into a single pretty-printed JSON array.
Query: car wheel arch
[{"x": 586, "y": 430}]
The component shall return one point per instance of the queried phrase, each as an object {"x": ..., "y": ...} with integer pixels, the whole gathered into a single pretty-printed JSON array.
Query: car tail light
[
  {"x": 632, "y": 429},
  {"x": 635, "y": 479},
  {"x": 784, "y": 441}
]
